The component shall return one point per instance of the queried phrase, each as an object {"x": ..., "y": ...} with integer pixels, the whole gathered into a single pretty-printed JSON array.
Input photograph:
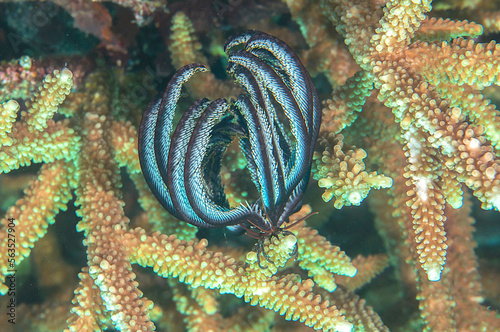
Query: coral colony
[{"x": 192, "y": 214}]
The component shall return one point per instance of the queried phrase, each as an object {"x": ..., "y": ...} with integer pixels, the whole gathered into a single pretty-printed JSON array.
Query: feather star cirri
[{"x": 182, "y": 168}]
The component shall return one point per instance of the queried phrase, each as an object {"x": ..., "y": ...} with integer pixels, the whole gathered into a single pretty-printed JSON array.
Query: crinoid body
[{"x": 182, "y": 168}]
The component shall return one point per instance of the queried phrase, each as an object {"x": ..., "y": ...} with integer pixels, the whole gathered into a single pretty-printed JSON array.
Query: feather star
[{"x": 182, "y": 168}]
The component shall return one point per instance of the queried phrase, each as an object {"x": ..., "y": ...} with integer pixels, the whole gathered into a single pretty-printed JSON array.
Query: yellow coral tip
[
  {"x": 351, "y": 271},
  {"x": 104, "y": 264},
  {"x": 290, "y": 241},
  {"x": 66, "y": 75},
  {"x": 3, "y": 289},
  {"x": 343, "y": 327},
  {"x": 434, "y": 274},
  {"x": 386, "y": 182},
  {"x": 251, "y": 257},
  {"x": 355, "y": 198},
  {"x": 11, "y": 106}
]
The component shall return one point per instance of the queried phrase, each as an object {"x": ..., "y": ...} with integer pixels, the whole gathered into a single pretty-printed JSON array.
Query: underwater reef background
[{"x": 410, "y": 92}]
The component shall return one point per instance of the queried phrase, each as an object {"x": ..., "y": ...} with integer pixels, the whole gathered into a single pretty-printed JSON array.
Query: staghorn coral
[
  {"x": 185, "y": 49},
  {"x": 343, "y": 174},
  {"x": 108, "y": 293},
  {"x": 443, "y": 133},
  {"x": 367, "y": 107}
]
